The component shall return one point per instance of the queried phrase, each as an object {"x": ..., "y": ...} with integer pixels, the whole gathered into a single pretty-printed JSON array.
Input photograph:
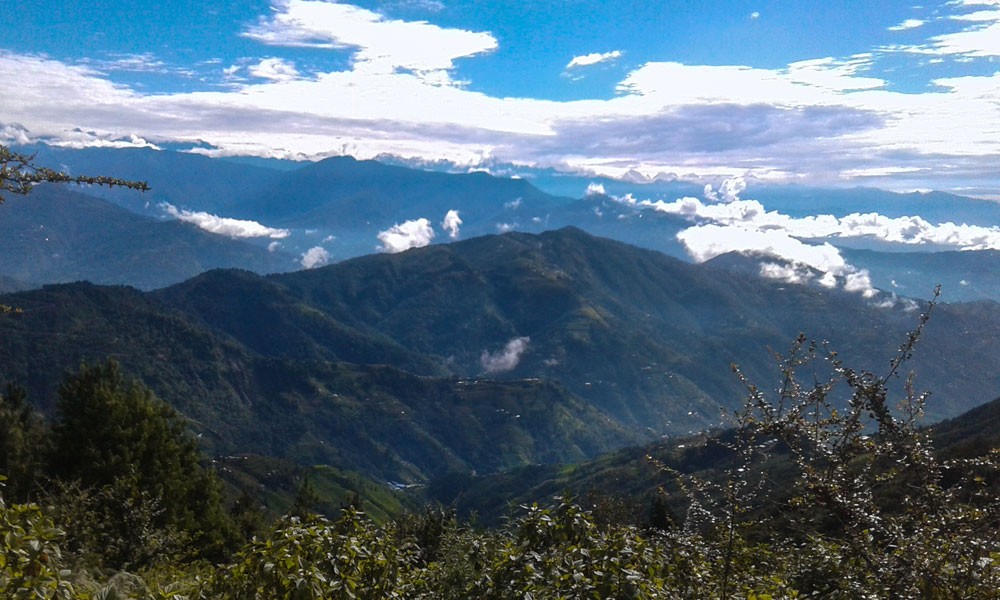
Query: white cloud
[
  {"x": 274, "y": 69},
  {"x": 587, "y": 60},
  {"x": 908, "y": 24},
  {"x": 505, "y": 227},
  {"x": 981, "y": 38},
  {"x": 380, "y": 45},
  {"x": 755, "y": 15},
  {"x": 451, "y": 223},
  {"x": 317, "y": 256},
  {"x": 825, "y": 120},
  {"x": 737, "y": 225},
  {"x": 595, "y": 189},
  {"x": 860, "y": 282},
  {"x": 274, "y": 246},
  {"x": 752, "y": 216},
  {"x": 13, "y": 133},
  {"x": 234, "y": 228},
  {"x": 409, "y": 234},
  {"x": 705, "y": 242},
  {"x": 791, "y": 273},
  {"x": 729, "y": 191},
  {"x": 506, "y": 359}
]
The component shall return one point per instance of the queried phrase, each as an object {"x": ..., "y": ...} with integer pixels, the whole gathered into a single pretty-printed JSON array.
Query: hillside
[
  {"x": 57, "y": 235},
  {"x": 341, "y": 205},
  {"x": 411, "y": 365},
  {"x": 379, "y": 420},
  {"x": 627, "y": 481}
]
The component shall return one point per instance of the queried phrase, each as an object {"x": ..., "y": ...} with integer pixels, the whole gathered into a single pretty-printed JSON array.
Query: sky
[{"x": 890, "y": 94}]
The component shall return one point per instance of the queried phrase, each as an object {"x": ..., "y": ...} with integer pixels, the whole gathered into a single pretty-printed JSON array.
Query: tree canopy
[{"x": 126, "y": 449}]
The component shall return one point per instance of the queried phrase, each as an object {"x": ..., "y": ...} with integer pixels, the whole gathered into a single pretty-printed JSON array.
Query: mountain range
[
  {"x": 476, "y": 356},
  {"x": 277, "y": 216},
  {"x": 550, "y": 330}
]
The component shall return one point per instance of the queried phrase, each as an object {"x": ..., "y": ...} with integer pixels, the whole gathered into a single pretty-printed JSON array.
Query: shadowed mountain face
[
  {"x": 56, "y": 234},
  {"x": 337, "y": 208},
  {"x": 479, "y": 355}
]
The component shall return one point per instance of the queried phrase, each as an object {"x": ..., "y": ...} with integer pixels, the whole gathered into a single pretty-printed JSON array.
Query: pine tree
[
  {"x": 131, "y": 452},
  {"x": 23, "y": 444}
]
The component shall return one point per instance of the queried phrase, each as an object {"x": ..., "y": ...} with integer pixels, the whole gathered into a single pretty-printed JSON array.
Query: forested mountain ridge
[
  {"x": 410, "y": 365},
  {"x": 487, "y": 357}
]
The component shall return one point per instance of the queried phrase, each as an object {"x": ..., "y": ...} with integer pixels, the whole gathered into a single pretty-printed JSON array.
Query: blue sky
[{"x": 885, "y": 93}]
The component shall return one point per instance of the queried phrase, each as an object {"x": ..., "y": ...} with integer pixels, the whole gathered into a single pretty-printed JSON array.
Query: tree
[
  {"x": 23, "y": 444},
  {"x": 866, "y": 509},
  {"x": 19, "y": 174},
  {"x": 126, "y": 454}
]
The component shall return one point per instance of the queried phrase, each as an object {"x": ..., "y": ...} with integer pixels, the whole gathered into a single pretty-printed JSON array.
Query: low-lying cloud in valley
[
  {"x": 403, "y": 236},
  {"x": 723, "y": 222},
  {"x": 506, "y": 359},
  {"x": 317, "y": 256},
  {"x": 451, "y": 223},
  {"x": 234, "y": 228}
]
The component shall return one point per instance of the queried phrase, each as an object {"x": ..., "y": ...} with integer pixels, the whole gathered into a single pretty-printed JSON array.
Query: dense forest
[{"x": 806, "y": 497}]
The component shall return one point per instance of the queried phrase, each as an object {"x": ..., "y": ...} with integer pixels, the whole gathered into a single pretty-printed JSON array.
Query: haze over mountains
[{"x": 273, "y": 216}]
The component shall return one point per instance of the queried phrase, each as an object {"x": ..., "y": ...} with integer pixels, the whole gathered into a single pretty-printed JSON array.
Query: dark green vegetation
[
  {"x": 375, "y": 365},
  {"x": 862, "y": 507},
  {"x": 119, "y": 469}
]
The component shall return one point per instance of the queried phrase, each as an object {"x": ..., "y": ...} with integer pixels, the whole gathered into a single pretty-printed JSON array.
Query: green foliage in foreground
[
  {"x": 870, "y": 512},
  {"x": 558, "y": 552}
]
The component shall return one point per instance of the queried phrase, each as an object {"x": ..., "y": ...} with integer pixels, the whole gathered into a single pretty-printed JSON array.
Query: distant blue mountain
[{"x": 341, "y": 205}]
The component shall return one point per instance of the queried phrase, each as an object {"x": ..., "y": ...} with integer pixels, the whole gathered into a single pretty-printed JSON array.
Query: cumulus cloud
[
  {"x": 274, "y": 246},
  {"x": 505, "y": 227},
  {"x": 752, "y": 216},
  {"x": 14, "y": 133},
  {"x": 792, "y": 273},
  {"x": 587, "y": 60},
  {"x": 274, "y": 69},
  {"x": 730, "y": 224},
  {"x": 317, "y": 256},
  {"x": 380, "y": 45},
  {"x": 729, "y": 191},
  {"x": 451, "y": 223},
  {"x": 234, "y": 228},
  {"x": 506, "y": 359},
  {"x": 727, "y": 223},
  {"x": 595, "y": 189},
  {"x": 403, "y": 236},
  {"x": 822, "y": 263},
  {"x": 824, "y": 120}
]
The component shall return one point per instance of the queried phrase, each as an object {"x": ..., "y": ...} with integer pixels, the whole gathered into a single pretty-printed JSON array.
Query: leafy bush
[{"x": 30, "y": 558}]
